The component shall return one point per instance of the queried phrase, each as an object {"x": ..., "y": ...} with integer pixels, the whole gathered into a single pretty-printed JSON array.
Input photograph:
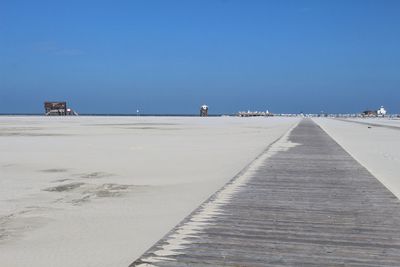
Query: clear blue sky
[{"x": 173, "y": 56}]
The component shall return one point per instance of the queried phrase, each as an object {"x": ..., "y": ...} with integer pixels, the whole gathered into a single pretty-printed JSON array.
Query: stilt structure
[{"x": 58, "y": 109}]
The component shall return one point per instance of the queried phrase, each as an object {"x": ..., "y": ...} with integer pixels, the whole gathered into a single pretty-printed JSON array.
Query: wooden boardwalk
[{"x": 306, "y": 205}]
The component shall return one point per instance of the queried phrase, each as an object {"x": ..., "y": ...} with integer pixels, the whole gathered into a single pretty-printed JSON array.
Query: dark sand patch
[
  {"x": 95, "y": 175},
  {"x": 111, "y": 190},
  {"x": 133, "y": 124},
  {"x": 80, "y": 201},
  {"x": 61, "y": 180},
  {"x": 79, "y": 193},
  {"x": 15, "y": 227},
  {"x": 103, "y": 191},
  {"x": 8, "y": 165},
  {"x": 5, "y": 229},
  {"x": 64, "y": 188},
  {"x": 20, "y": 129},
  {"x": 16, "y": 224},
  {"x": 150, "y": 128},
  {"x": 54, "y": 170},
  {"x": 30, "y": 134}
]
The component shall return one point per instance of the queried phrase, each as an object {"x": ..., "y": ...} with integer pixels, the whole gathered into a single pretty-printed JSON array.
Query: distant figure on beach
[{"x": 204, "y": 111}]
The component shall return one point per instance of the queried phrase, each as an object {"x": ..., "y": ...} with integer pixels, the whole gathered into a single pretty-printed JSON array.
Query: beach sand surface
[
  {"x": 99, "y": 191},
  {"x": 376, "y": 148},
  {"x": 395, "y": 122}
]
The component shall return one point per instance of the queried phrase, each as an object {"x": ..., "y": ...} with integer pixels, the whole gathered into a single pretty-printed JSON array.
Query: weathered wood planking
[{"x": 312, "y": 205}]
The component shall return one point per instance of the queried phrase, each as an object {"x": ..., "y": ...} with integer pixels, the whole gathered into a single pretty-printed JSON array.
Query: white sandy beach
[
  {"x": 395, "y": 122},
  {"x": 376, "y": 148},
  {"x": 99, "y": 191}
]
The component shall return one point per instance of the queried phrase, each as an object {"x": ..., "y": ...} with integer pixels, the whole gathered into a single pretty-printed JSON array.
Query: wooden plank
[{"x": 311, "y": 205}]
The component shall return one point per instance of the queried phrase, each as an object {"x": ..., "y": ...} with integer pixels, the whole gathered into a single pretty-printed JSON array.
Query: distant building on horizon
[
  {"x": 381, "y": 112},
  {"x": 369, "y": 113},
  {"x": 375, "y": 113},
  {"x": 255, "y": 114},
  {"x": 58, "y": 109}
]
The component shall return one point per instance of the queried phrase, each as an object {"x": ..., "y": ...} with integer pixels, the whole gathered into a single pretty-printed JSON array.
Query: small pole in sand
[{"x": 137, "y": 113}]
